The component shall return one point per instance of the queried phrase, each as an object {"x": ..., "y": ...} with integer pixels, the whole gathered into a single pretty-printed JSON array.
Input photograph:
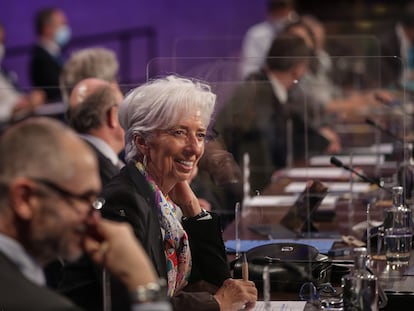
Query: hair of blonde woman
[
  {"x": 94, "y": 62},
  {"x": 161, "y": 104}
]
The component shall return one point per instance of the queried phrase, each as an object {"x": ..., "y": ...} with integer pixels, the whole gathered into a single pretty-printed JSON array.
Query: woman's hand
[
  {"x": 184, "y": 197},
  {"x": 235, "y": 295}
]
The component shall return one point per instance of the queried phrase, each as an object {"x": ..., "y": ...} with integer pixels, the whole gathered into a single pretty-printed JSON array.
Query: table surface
[{"x": 398, "y": 286}]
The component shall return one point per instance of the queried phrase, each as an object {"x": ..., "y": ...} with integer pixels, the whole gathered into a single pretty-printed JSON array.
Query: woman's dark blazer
[{"x": 128, "y": 197}]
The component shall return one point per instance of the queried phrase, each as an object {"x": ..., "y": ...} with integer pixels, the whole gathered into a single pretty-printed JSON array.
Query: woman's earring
[{"x": 144, "y": 164}]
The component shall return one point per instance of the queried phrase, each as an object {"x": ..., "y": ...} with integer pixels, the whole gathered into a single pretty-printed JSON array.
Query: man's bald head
[
  {"x": 89, "y": 103},
  {"x": 85, "y": 88},
  {"x": 93, "y": 110}
]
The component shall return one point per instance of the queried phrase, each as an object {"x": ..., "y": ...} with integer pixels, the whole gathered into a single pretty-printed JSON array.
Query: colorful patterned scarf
[{"x": 177, "y": 247}]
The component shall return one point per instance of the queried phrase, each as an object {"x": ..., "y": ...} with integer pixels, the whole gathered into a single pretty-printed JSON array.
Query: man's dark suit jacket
[
  {"x": 107, "y": 169},
  {"x": 129, "y": 198},
  {"x": 82, "y": 281},
  {"x": 255, "y": 122},
  {"x": 18, "y": 293},
  {"x": 44, "y": 72}
]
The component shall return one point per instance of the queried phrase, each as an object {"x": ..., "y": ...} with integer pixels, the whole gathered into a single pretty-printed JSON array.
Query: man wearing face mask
[
  {"x": 14, "y": 104},
  {"x": 46, "y": 63}
]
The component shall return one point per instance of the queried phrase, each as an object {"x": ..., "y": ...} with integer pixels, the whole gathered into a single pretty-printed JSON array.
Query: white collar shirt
[
  {"x": 278, "y": 89},
  {"x": 103, "y": 148},
  {"x": 25, "y": 263}
]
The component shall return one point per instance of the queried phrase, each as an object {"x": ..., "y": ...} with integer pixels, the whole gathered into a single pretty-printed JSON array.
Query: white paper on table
[
  {"x": 317, "y": 172},
  {"x": 281, "y": 306},
  {"x": 346, "y": 186},
  {"x": 383, "y": 148},
  {"x": 298, "y": 186},
  {"x": 328, "y": 203},
  {"x": 270, "y": 200},
  {"x": 356, "y": 159}
]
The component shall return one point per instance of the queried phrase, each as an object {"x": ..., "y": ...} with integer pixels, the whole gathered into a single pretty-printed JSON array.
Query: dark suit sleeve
[
  {"x": 200, "y": 301},
  {"x": 44, "y": 73},
  {"x": 123, "y": 202},
  {"x": 207, "y": 250},
  {"x": 124, "y": 207}
]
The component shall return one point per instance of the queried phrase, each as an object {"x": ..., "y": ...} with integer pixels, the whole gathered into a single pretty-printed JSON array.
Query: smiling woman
[{"x": 165, "y": 123}]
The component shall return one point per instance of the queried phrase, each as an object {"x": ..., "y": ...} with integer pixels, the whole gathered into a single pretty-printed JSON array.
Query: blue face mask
[{"x": 62, "y": 35}]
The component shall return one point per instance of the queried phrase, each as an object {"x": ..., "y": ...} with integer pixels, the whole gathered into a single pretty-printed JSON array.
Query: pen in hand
[{"x": 245, "y": 268}]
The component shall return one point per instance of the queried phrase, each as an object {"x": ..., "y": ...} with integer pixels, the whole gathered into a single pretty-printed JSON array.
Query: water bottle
[
  {"x": 397, "y": 229},
  {"x": 405, "y": 173},
  {"x": 360, "y": 287}
]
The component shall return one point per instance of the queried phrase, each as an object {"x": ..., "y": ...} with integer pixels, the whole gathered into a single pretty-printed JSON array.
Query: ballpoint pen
[
  {"x": 237, "y": 223},
  {"x": 266, "y": 288},
  {"x": 245, "y": 268}
]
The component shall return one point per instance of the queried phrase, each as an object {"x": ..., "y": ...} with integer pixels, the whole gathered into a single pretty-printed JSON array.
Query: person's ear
[
  {"x": 112, "y": 118},
  {"x": 141, "y": 144},
  {"x": 21, "y": 198},
  {"x": 299, "y": 70}
]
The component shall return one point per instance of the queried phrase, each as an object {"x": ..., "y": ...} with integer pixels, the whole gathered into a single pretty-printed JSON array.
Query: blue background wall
[{"x": 176, "y": 22}]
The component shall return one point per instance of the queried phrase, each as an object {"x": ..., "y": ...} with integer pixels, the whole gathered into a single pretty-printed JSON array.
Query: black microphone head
[
  {"x": 335, "y": 161},
  {"x": 370, "y": 122}
]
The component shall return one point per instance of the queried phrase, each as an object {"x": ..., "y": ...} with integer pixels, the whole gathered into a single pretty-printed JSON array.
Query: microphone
[
  {"x": 383, "y": 130},
  {"x": 335, "y": 161}
]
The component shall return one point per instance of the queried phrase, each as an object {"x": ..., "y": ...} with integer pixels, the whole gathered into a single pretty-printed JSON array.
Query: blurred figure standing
[
  {"x": 259, "y": 37},
  {"x": 53, "y": 32},
  {"x": 397, "y": 51},
  {"x": 13, "y": 102}
]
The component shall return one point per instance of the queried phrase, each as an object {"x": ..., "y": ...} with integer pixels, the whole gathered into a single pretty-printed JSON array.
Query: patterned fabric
[{"x": 177, "y": 247}]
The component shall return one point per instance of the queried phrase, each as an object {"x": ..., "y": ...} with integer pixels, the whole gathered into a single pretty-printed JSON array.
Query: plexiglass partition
[
  {"x": 350, "y": 111},
  {"x": 352, "y": 106}
]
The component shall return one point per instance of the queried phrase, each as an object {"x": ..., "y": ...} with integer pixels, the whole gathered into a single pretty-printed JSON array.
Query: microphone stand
[{"x": 338, "y": 163}]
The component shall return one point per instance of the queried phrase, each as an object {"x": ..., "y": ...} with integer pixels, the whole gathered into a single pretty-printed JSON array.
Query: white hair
[
  {"x": 161, "y": 104},
  {"x": 94, "y": 62}
]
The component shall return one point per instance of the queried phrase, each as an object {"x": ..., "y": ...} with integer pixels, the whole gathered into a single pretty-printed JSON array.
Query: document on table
[
  {"x": 298, "y": 186},
  {"x": 356, "y": 160},
  {"x": 281, "y": 306},
  {"x": 270, "y": 200},
  {"x": 317, "y": 172}
]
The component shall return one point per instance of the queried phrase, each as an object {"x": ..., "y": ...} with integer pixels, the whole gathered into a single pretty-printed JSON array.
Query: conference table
[{"x": 340, "y": 216}]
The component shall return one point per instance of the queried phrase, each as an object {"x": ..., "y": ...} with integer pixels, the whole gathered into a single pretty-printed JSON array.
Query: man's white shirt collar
[
  {"x": 279, "y": 90},
  {"x": 25, "y": 263},
  {"x": 103, "y": 148}
]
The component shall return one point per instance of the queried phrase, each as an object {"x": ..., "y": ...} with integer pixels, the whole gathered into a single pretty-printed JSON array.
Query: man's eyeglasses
[{"x": 89, "y": 197}]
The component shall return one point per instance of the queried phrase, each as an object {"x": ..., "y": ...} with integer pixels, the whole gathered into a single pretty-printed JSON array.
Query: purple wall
[{"x": 176, "y": 22}]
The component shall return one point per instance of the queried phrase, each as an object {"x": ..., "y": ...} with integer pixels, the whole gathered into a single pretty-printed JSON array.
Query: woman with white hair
[{"x": 165, "y": 121}]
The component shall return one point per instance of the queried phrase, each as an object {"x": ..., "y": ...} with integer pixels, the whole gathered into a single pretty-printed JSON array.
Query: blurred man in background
[{"x": 53, "y": 33}]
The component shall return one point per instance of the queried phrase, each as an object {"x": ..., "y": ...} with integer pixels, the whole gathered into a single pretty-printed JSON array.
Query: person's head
[
  {"x": 407, "y": 20},
  {"x": 281, "y": 9},
  {"x": 301, "y": 29},
  {"x": 165, "y": 122},
  {"x": 48, "y": 180},
  {"x": 288, "y": 55},
  {"x": 51, "y": 25},
  {"x": 317, "y": 29},
  {"x": 93, "y": 109},
  {"x": 98, "y": 63}
]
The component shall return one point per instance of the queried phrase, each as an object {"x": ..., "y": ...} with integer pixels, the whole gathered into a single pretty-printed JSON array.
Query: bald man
[
  {"x": 93, "y": 113},
  {"x": 48, "y": 183}
]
